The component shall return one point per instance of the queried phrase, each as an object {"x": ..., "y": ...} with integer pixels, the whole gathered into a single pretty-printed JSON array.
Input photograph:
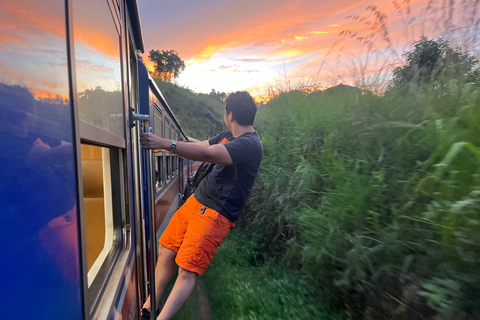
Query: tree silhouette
[
  {"x": 218, "y": 95},
  {"x": 167, "y": 64},
  {"x": 434, "y": 60}
]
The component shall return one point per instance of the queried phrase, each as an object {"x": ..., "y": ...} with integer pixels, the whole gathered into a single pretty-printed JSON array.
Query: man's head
[{"x": 241, "y": 107}]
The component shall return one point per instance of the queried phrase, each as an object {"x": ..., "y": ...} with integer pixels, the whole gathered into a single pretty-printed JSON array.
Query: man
[{"x": 198, "y": 228}]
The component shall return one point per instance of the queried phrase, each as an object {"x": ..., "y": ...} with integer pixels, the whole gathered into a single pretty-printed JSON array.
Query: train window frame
[
  {"x": 90, "y": 131},
  {"x": 100, "y": 296},
  {"x": 115, "y": 10},
  {"x": 96, "y": 286},
  {"x": 168, "y": 173},
  {"x": 159, "y": 167}
]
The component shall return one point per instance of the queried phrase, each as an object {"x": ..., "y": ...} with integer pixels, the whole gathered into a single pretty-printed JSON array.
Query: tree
[
  {"x": 434, "y": 60},
  {"x": 218, "y": 95},
  {"x": 167, "y": 64}
]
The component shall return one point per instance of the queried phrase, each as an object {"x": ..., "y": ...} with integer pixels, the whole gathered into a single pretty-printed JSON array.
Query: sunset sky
[{"x": 235, "y": 45}]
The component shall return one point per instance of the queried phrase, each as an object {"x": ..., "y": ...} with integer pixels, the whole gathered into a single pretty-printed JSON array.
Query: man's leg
[
  {"x": 163, "y": 273},
  {"x": 181, "y": 291}
]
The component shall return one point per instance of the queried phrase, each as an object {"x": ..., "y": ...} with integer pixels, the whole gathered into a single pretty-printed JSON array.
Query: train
[{"x": 82, "y": 206}]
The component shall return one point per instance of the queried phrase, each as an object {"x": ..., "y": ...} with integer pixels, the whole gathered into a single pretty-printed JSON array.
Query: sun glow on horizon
[{"x": 250, "y": 49}]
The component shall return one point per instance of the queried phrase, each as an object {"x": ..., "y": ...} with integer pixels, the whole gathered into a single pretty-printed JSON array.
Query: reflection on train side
[
  {"x": 38, "y": 213},
  {"x": 98, "y": 68},
  {"x": 38, "y": 203},
  {"x": 67, "y": 178},
  {"x": 32, "y": 37}
]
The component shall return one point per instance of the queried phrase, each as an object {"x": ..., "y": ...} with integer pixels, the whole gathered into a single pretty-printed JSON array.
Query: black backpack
[{"x": 202, "y": 171}]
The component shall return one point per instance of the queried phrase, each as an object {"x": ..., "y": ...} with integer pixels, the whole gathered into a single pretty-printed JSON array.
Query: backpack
[{"x": 202, "y": 171}]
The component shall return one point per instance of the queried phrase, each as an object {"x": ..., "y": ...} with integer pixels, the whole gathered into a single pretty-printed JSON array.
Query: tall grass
[
  {"x": 376, "y": 199},
  {"x": 242, "y": 287},
  {"x": 372, "y": 195}
]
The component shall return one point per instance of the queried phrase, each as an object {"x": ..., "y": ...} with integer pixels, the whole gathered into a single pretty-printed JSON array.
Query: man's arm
[
  {"x": 200, "y": 151},
  {"x": 204, "y": 143}
]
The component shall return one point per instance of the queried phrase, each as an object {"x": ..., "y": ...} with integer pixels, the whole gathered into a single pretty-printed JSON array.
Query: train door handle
[
  {"x": 138, "y": 117},
  {"x": 141, "y": 117}
]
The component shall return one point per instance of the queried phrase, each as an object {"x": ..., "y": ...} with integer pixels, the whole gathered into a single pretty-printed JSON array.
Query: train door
[
  {"x": 102, "y": 155},
  {"x": 136, "y": 183},
  {"x": 144, "y": 181}
]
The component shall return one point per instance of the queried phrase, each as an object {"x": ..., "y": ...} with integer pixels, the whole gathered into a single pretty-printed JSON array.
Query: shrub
[{"x": 375, "y": 199}]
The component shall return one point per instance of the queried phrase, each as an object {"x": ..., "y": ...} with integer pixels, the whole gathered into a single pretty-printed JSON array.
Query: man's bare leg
[
  {"x": 163, "y": 273},
  {"x": 181, "y": 291}
]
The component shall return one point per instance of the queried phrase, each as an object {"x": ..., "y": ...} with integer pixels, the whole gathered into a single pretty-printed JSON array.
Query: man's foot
[{"x": 145, "y": 314}]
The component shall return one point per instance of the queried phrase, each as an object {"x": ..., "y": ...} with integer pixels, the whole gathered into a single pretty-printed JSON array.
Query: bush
[{"x": 375, "y": 199}]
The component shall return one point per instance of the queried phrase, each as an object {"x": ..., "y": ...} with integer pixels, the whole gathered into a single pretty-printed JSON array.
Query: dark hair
[{"x": 242, "y": 106}]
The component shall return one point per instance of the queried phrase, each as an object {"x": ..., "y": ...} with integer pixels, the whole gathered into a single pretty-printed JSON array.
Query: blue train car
[{"x": 81, "y": 205}]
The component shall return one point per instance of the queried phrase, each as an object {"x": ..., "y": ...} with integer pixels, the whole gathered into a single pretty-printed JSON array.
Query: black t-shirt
[{"x": 227, "y": 187}]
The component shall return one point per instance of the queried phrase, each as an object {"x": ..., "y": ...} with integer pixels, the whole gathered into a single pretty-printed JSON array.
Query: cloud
[
  {"x": 231, "y": 69},
  {"x": 302, "y": 35},
  {"x": 223, "y": 67},
  {"x": 299, "y": 38},
  {"x": 251, "y": 60},
  {"x": 240, "y": 26},
  {"x": 30, "y": 26}
]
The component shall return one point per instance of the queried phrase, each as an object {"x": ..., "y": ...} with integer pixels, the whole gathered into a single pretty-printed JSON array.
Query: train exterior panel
[
  {"x": 82, "y": 206},
  {"x": 39, "y": 250}
]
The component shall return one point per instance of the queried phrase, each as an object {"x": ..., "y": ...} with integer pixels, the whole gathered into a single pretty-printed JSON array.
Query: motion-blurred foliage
[
  {"x": 376, "y": 198},
  {"x": 200, "y": 115}
]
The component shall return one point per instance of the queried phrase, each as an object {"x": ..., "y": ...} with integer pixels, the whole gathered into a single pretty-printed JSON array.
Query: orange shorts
[{"x": 194, "y": 233}]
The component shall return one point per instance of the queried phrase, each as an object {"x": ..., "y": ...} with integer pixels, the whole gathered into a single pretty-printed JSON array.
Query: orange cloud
[
  {"x": 300, "y": 38},
  {"x": 208, "y": 52},
  {"x": 39, "y": 18},
  {"x": 32, "y": 18},
  {"x": 4, "y": 38},
  {"x": 286, "y": 32},
  {"x": 98, "y": 40},
  {"x": 291, "y": 52},
  {"x": 41, "y": 94},
  {"x": 249, "y": 33}
]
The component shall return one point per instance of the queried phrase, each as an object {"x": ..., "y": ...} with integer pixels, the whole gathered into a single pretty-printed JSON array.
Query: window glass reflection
[
  {"x": 98, "y": 66},
  {"x": 38, "y": 195}
]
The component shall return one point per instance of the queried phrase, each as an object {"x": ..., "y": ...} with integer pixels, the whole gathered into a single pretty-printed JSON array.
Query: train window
[
  {"x": 158, "y": 121},
  {"x": 98, "y": 70},
  {"x": 103, "y": 213},
  {"x": 158, "y": 173},
  {"x": 168, "y": 167}
]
